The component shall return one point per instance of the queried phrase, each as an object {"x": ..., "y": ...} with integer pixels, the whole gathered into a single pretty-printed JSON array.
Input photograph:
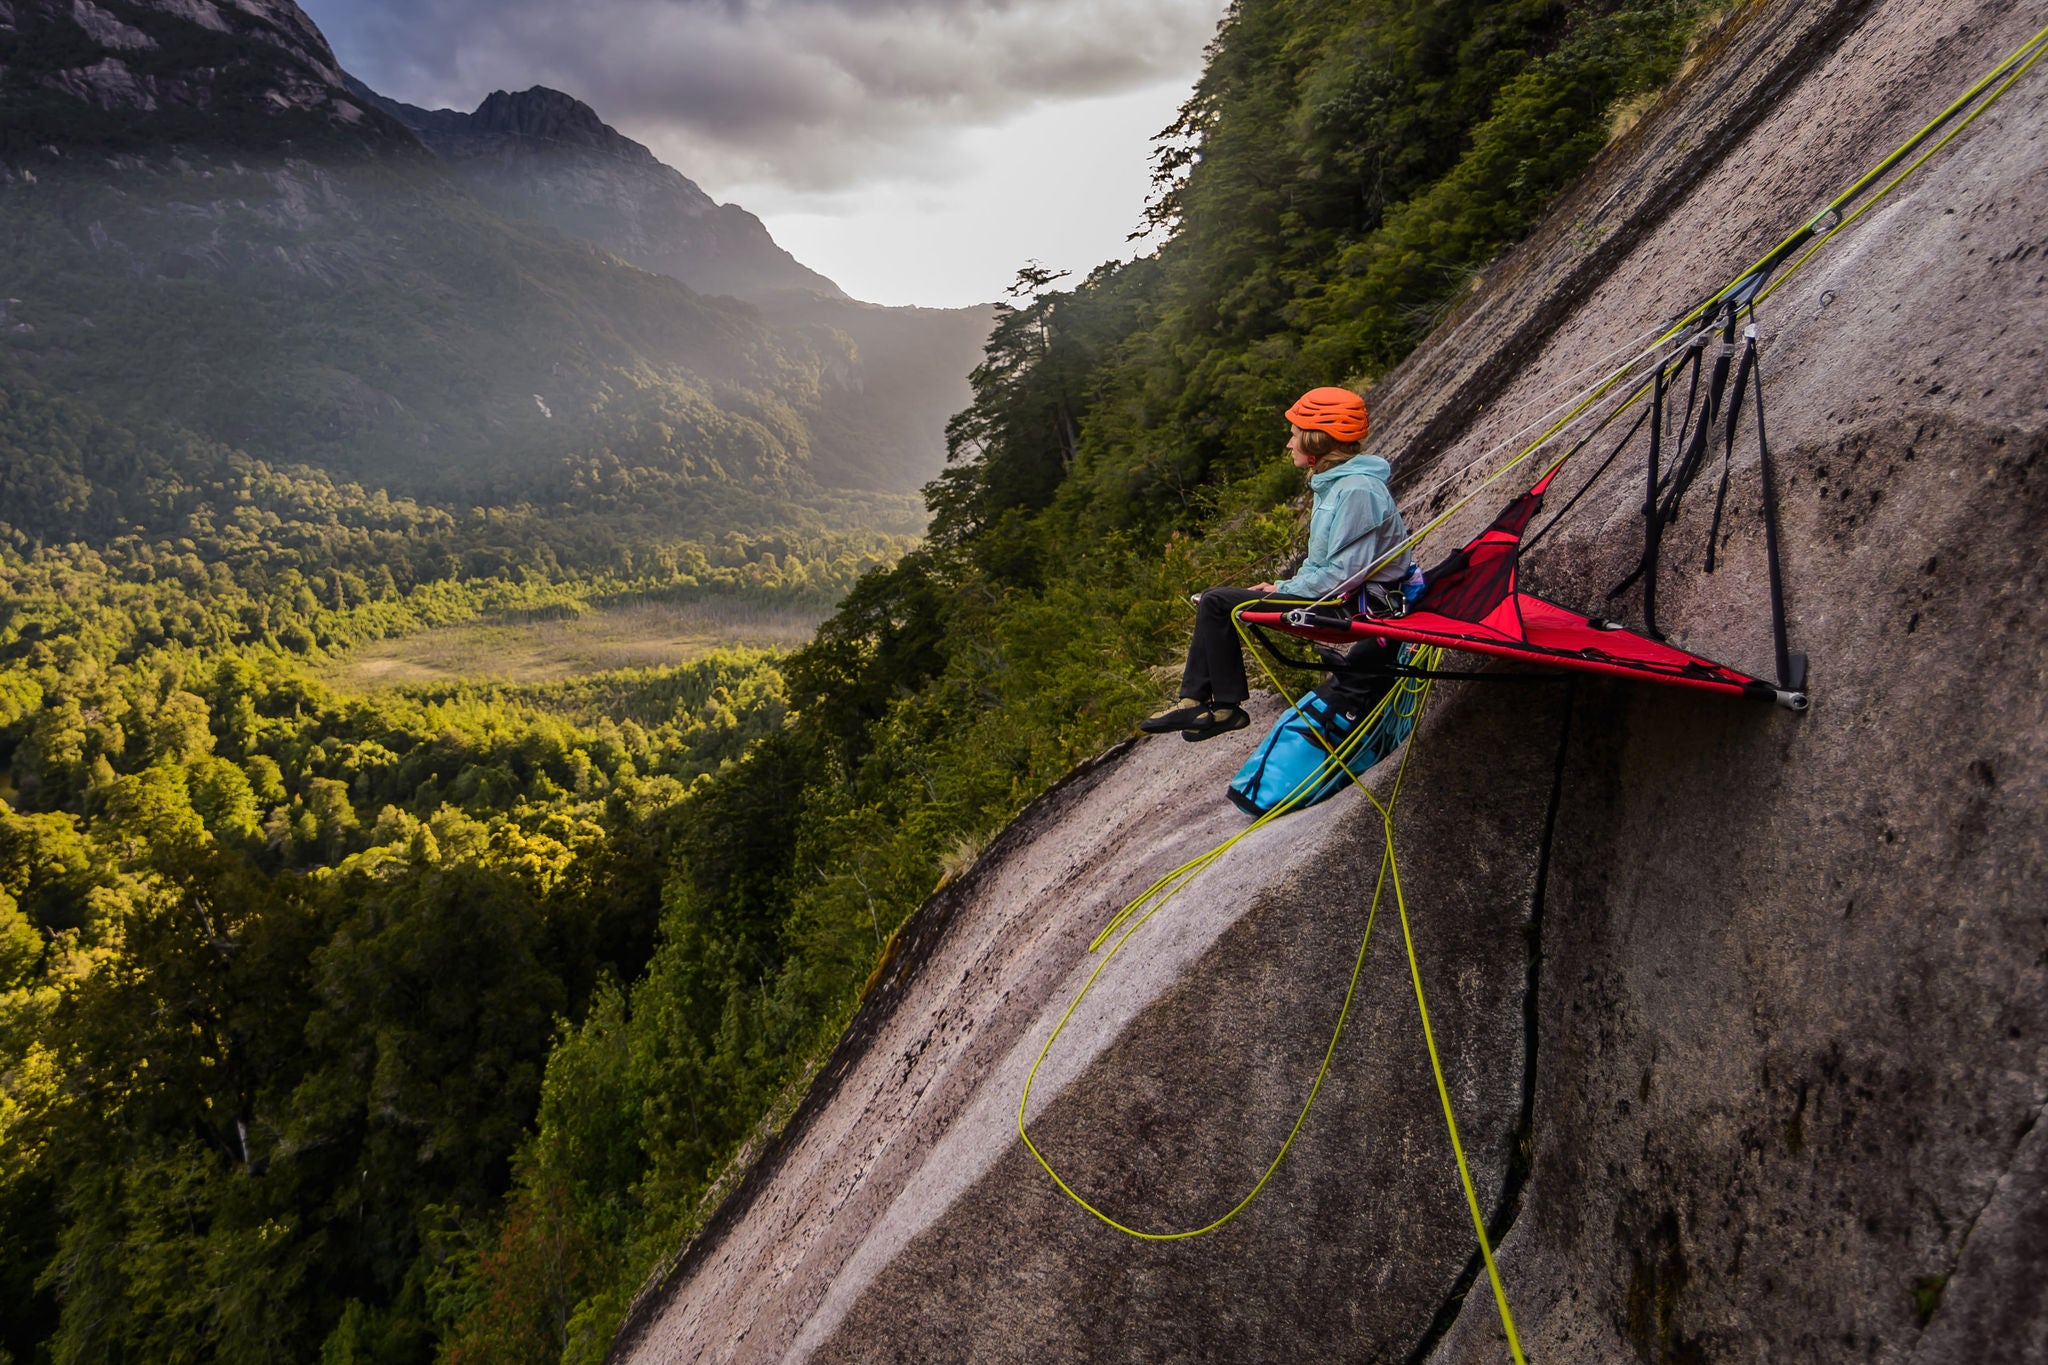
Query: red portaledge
[{"x": 1755, "y": 687}]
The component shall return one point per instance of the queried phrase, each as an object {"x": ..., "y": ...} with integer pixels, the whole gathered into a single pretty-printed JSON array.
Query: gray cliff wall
[{"x": 1749, "y": 1067}]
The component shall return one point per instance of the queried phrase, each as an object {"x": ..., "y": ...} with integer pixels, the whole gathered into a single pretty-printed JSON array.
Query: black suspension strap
[
  {"x": 1791, "y": 667},
  {"x": 1742, "y": 374},
  {"x": 1694, "y": 441},
  {"x": 1652, "y": 531},
  {"x": 1650, "y": 501},
  {"x": 1691, "y": 364},
  {"x": 1695, "y": 456}
]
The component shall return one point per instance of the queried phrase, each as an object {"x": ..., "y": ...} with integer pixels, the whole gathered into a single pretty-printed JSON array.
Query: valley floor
[{"x": 508, "y": 649}]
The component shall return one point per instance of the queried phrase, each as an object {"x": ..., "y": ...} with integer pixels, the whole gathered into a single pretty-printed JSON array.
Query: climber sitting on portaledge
[{"x": 1353, "y": 525}]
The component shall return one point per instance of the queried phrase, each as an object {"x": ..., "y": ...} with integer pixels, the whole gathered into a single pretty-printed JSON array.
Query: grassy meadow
[{"x": 522, "y": 648}]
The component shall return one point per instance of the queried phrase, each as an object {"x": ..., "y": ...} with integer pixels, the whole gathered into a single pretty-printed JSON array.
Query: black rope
[
  {"x": 1650, "y": 502},
  {"x": 1789, "y": 678}
]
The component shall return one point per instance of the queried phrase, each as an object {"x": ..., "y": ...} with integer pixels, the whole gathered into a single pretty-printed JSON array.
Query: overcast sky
[{"x": 916, "y": 151}]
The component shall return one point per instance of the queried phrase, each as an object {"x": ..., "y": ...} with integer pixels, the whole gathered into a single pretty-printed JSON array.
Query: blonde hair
[{"x": 1326, "y": 450}]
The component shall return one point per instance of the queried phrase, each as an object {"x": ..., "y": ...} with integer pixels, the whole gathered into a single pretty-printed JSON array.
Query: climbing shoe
[
  {"x": 1219, "y": 719},
  {"x": 1179, "y": 718}
]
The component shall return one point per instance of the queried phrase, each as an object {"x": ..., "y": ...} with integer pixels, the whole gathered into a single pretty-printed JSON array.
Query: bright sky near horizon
[{"x": 915, "y": 151}]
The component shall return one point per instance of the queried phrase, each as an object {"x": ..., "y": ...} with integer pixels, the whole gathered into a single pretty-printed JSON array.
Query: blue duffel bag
[{"x": 1293, "y": 765}]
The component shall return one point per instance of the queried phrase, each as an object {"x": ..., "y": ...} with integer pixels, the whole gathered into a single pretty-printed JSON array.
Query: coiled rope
[{"x": 1410, "y": 695}]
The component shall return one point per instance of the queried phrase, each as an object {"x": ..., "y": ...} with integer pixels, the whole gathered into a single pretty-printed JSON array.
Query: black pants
[{"x": 1215, "y": 670}]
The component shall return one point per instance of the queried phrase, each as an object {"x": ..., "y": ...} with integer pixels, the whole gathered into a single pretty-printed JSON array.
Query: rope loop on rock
[{"x": 1409, "y": 694}]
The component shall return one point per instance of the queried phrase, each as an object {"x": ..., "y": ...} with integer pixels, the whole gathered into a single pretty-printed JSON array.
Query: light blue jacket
[{"x": 1354, "y": 523}]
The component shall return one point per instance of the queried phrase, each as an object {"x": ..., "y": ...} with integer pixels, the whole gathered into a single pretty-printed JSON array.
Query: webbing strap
[
  {"x": 1650, "y": 498},
  {"x": 1691, "y": 364},
  {"x": 1789, "y": 678},
  {"x": 1687, "y": 469},
  {"x": 1695, "y": 455},
  {"x": 1742, "y": 374}
]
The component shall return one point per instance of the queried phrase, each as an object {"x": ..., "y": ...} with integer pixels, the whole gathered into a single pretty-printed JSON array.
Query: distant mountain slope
[
  {"x": 368, "y": 316},
  {"x": 906, "y": 375},
  {"x": 202, "y": 228},
  {"x": 547, "y": 156}
]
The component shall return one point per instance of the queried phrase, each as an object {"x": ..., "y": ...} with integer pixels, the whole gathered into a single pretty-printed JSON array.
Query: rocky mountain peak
[
  {"x": 74, "y": 73},
  {"x": 547, "y": 116},
  {"x": 544, "y": 155}
]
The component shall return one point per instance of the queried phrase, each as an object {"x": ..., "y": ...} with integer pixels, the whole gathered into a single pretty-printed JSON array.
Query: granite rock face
[
  {"x": 78, "y": 74},
  {"x": 901, "y": 1219},
  {"x": 1744, "y": 1013}
]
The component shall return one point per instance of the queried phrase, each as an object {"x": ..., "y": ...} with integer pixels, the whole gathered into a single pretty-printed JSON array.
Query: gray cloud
[{"x": 808, "y": 94}]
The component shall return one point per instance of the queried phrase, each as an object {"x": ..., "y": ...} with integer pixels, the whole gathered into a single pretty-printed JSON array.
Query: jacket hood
[{"x": 1371, "y": 466}]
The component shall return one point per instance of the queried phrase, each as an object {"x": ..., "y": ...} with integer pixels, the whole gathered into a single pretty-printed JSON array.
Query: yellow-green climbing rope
[
  {"x": 1998, "y": 81},
  {"x": 1409, "y": 694}
]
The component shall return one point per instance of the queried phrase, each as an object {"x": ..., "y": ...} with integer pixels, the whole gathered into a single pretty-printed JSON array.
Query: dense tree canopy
[{"x": 420, "y": 1026}]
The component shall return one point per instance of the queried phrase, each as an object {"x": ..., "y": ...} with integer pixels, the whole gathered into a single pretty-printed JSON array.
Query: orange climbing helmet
[{"x": 1340, "y": 412}]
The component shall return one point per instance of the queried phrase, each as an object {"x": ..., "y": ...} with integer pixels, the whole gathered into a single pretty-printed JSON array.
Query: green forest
[{"x": 422, "y": 1025}]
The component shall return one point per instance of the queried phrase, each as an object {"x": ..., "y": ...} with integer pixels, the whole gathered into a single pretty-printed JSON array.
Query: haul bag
[{"x": 1292, "y": 765}]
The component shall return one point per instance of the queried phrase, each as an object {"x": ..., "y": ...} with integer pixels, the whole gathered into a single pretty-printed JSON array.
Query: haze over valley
[{"x": 213, "y": 230}]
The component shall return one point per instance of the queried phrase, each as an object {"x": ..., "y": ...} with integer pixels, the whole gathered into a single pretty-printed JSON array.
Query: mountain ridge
[
  {"x": 210, "y": 229},
  {"x": 547, "y": 156},
  {"x": 227, "y": 72}
]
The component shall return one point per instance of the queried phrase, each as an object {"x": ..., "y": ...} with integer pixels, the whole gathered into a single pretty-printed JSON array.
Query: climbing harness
[{"x": 1479, "y": 581}]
